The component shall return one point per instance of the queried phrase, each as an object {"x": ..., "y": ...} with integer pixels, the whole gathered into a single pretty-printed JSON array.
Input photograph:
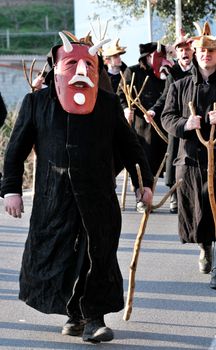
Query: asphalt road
[{"x": 174, "y": 308}]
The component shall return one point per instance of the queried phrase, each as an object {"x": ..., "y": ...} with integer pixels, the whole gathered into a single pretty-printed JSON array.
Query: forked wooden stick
[
  {"x": 210, "y": 151},
  {"x": 138, "y": 241},
  {"x": 127, "y": 91}
]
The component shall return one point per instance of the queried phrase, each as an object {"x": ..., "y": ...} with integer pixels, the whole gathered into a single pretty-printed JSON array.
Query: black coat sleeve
[
  {"x": 130, "y": 150},
  {"x": 3, "y": 111},
  {"x": 160, "y": 103},
  {"x": 18, "y": 149},
  {"x": 172, "y": 119}
]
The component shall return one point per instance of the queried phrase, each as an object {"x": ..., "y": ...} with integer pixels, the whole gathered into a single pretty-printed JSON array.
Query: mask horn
[
  {"x": 94, "y": 49},
  {"x": 158, "y": 46},
  {"x": 66, "y": 43}
]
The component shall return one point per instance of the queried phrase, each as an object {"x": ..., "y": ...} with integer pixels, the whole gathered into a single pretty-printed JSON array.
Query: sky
[{"x": 130, "y": 35}]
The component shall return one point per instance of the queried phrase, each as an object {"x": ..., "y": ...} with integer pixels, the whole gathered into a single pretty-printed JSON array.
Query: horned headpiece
[
  {"x": 68, "y": 44},
  {"x": 114, "y": 49},
  {"x": 87, "y": 41},
  {"x": 204, "y": 39},
  {"x": 182, "y": 39},
  {"x": 76, "y": 72}
]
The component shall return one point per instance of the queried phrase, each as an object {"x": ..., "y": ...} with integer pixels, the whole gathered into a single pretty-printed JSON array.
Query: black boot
[
  {"x": 96, "y": 331},
  {"x": 213, "y": 278},
  {"x": 205, "y": 258},
  {"x": 213, "y": 272},
  {"x": 74, "y": 325}
]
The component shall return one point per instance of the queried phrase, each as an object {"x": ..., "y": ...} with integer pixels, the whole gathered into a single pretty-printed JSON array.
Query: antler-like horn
[
  {"x": 186, "y": 36},
  {"x": 158, "y": 46},
  {"x": 198, "y": 28},
  {"x": 72, "y": 36},
  {"x": 66, "y": 43},
  {"x": 94, "y": 49},
  {"x": 206, "y": 29}
]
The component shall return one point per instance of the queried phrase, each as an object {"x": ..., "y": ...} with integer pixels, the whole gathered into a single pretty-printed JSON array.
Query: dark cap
[{"x": 146, "y": 49}]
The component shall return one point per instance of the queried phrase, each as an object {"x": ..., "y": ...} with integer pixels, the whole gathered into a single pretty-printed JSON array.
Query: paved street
[{"x": 174, "y": 307}]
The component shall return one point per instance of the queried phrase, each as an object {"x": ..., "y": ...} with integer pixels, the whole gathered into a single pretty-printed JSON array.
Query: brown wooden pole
[{"x": 137, "y": 246}]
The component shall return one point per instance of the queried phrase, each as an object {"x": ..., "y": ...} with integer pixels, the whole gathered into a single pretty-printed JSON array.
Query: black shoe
[
  {"x": 173, "y": 203},
  {"x": 74, "y": 326},
  {"x": 173, "y": 210},
  {"x": 213, "y": 279},
  {"x": 96, "y": 331}
]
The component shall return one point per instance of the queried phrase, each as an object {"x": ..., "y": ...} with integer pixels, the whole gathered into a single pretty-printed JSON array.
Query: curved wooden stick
[
  {"x": 133, "y": 265},
  {"x": 138, "y": 241},
  {"x": 127, "y": 91},
  {"x": 141, "y": 90}
]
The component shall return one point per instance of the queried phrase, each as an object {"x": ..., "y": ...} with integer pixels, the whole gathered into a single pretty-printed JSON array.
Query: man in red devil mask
[
  {"x": 152, "y": 56},
  {"x": 69, "y": 264}
]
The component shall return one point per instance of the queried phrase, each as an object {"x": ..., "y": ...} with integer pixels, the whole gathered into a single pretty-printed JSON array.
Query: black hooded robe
[{"x": 70, "y": 255}]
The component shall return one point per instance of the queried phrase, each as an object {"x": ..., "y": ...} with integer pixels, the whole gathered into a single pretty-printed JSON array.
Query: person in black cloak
[
  {"x": 182, "y": 68},
  {"x": 152, "y": 58},
  {"x": 69, "y": 264},
  {"x": 195, "y": 219}
]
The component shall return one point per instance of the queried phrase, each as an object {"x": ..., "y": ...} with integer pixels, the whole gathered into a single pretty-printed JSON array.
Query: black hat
[{"x": 146, "y": 49}]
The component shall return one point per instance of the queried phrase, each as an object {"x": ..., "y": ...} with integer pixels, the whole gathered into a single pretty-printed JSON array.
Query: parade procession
[{"x": 108, "y": 199}]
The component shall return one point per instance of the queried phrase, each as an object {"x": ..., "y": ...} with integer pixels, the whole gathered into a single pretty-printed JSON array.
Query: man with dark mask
[{"x": 152, "y": 58}]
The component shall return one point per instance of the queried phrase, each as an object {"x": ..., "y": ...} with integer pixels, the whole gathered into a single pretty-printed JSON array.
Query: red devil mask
[
  {"x": 158, "y": 61},
  {"x": 76, "y": 72}
]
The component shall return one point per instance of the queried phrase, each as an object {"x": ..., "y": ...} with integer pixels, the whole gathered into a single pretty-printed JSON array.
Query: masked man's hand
[
  {"x": 129, "y": 115},
  {"x": 13, "y": 204},
  {"x": 146, "y": 197}
]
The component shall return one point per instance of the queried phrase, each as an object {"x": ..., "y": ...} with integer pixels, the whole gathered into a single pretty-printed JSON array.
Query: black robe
[
  {"x": 176, "y": 73},
  {"x": 70, "y": 256},
  {"x": 194, "y": 212}
]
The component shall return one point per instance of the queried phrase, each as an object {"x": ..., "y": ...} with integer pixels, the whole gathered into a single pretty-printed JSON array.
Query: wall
[{"x": 13, "y": 84}]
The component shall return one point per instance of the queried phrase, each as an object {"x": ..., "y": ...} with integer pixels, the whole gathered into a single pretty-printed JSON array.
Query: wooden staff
[
  {"x": 138, "y": 241},
  {"x": 127, "y": 89},
  {"x": 210, "y": 151},
  {"x": 29, "y": 77}
]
